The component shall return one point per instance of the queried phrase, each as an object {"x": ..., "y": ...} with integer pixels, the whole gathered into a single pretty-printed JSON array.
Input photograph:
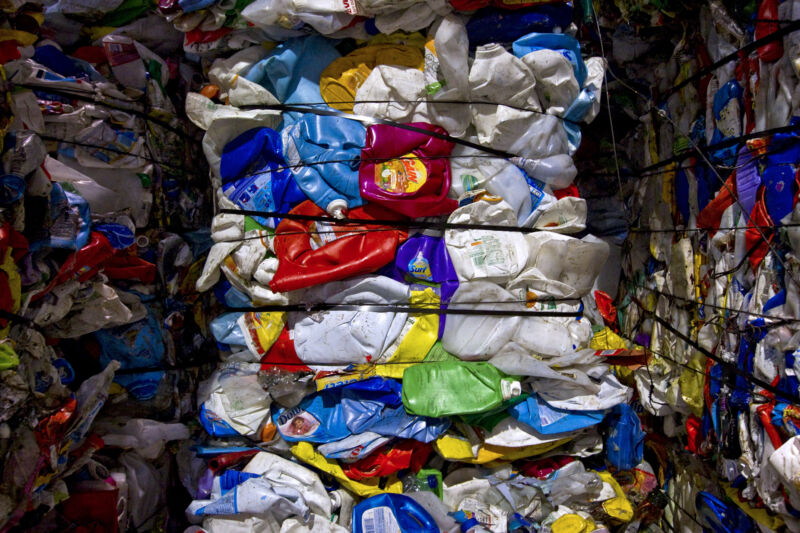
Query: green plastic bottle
[{"x": 456, "y": 387}]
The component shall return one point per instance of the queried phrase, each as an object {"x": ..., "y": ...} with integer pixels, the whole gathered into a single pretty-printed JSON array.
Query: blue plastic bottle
[
  {"x": 392, "y": 513},
  {"x": 324, "y": 154}
]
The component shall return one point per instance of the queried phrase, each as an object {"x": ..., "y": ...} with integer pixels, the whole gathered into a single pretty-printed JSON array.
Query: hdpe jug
[
  {"x": 392, "y": 513},
  {"x": 407, "y": 171},
  {"x": 456, "y": 387}
]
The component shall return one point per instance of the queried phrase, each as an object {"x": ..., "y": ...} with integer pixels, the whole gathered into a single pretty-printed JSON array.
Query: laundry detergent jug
[
  {"x": 313, "y": 252},
  {"x": 392, "y": 513},
  {"x": 407, "y": 171},
  {"x": 456, "y": 387}
]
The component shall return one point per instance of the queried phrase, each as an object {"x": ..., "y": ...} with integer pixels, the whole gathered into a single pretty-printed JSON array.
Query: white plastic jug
[
  {"x": 486, "y": 255},
  {"x": 398, "y": 94},
  {"x": 553, "y": 336},
  {"x": 576, "y": 398},
  {"x": 560, "y": 266},
  {"x": 555, "y": 79},
  {"x": 512, "y": 433},
  {"x": 478, "y": 496},
  {"x": 236, "y": 89},
  {"x": 786, "y": 462},
  {"x": 234, "y": 395},
  {"x": 280, "y": 471},
  {"x": 472, "y": 171},
  {"x": 554, "y": 168},
  {"x": 478, "y": 337},
  {"x": 567, "y": 215},
  {"x": 497, "y": 75},
  {"x": 341, "y": 337},
  {"x": 257, "y": 496}
]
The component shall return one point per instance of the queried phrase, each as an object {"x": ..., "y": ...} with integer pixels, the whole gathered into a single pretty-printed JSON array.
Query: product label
[
  {"x": 536, "y": 189},
  {"x": 322, "y": 233},
  {"x": 434, "y": 81},
  {"x": 351, "y": 7},
  {"x": 120, "y": 53},
  {"x": 405, "y": 175},
  {"x": 297, "y": 423},
  {"x": 420, "y": 267},
  {"x": 261, "y": 330},
  {"x": 338, "y": 380},
  {"x": 379, "y": 520},
  {"x": 487, "y": 251},
  {"x": 489, "y": 516}
]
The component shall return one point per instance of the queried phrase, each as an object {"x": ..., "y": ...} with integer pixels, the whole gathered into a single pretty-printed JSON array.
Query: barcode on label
[{"x": 379, "y": 520}]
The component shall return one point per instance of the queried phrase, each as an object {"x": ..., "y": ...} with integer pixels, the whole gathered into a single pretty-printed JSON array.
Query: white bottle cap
[{"x": 337, "y": 208}]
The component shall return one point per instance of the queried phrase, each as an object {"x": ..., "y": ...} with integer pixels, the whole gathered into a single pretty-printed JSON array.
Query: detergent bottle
[
  {"x": 255, "y": 175},
  {"x": 407, "y": 171},
  {"x": 456, "y": 387},
  {"x": 392, "y": 513},
  {"x": 316, "y": 252},
  {"x": 323, "y": 155}
]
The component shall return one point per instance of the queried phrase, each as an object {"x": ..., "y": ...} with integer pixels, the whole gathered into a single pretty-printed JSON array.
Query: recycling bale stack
[
  {"x": 711, "y": 281},
  {"x": 104, "y": 231},
  {"x": 413, "y": 323}
]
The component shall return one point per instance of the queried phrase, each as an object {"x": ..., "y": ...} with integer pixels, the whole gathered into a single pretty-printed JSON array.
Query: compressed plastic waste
[
  {"x": 294, "y": 266},
  {"x": 485, "y": 255},
  {"x": 732, "y": 110}
]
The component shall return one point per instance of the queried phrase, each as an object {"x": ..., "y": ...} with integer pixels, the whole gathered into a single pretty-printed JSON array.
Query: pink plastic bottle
[{"x": 407, "y": 171}]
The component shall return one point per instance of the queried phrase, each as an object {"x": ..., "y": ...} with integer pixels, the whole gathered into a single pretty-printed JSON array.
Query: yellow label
[
  {"x": 331, "y": 381},
  {"x": 404, "y": 175}
]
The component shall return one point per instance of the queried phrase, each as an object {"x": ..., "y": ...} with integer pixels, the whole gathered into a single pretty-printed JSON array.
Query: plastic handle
[{"x": 419, "y": 514}]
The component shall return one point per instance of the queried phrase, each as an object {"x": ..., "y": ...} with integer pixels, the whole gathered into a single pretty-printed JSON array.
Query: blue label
[
  {"x": 420, "y": 268},
  {"x": 253, "y": 192},
  {"x": 536, "y": 189}
]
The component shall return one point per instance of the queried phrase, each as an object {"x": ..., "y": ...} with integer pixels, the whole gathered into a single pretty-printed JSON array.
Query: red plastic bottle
[
  {"x": 315, "y": 252},
  {"x": 410, "y": 454}
]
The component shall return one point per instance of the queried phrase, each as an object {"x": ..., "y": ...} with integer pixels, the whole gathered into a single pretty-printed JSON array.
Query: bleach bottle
[{"x": 392, "y": 513}]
